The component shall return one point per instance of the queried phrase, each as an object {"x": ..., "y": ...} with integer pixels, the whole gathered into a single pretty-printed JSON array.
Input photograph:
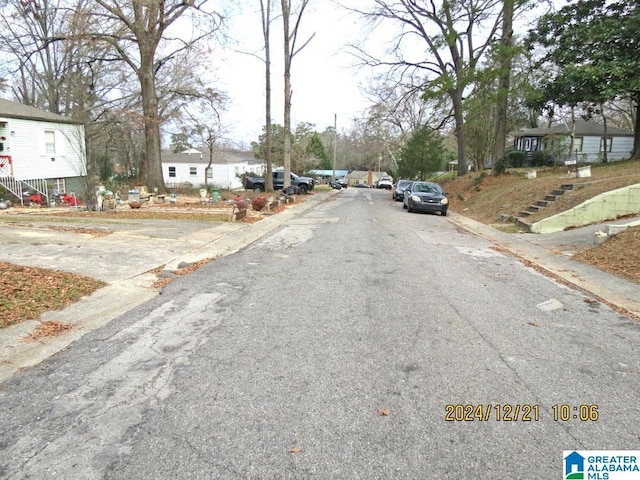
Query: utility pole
[{"x": 335, "y": 142}]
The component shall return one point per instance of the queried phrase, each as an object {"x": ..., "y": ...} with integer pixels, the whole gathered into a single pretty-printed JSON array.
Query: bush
[
  {"x": 258, "y": 203},
  {"x": 478, "y": 180},
  {"x": 540, "y": 159},
  {"x": 515, "y": 158},
  {"x": 501, "y": 166}
]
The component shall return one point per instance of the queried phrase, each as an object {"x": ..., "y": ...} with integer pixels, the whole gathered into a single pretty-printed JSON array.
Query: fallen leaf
[
  {"x": 295, "y": 450},
  {"x": 535, "y": 324},
  {"x": 47, "y": 329},
  {"x": 384, "y": 412}
]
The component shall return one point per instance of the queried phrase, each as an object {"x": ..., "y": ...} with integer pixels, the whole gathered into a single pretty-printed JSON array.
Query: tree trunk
[
  {"x": 266, "y": 29},
  {"x": 151, "y": 168},
  {"x": 504, "y": 79},
  {"x": 459, "y": 118},
  {"x": 287, "y": 94},
  {"x": 636, "y": 130},
  {"x": 605, "y": 153}
]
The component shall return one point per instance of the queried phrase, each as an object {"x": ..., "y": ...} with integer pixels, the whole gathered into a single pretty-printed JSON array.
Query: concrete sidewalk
[
  {"x": 551, "y": 253},
  {"x": 127, "y": 257}
]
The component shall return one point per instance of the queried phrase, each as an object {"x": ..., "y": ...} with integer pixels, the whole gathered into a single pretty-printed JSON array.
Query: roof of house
[
  {"x": 10, "y": 109},
  {"x": 201, "y": 156},
  {"x": 329, "y": 173},
  {"x": 360, "y": 174},
  {"x": 582, "y": 128}
]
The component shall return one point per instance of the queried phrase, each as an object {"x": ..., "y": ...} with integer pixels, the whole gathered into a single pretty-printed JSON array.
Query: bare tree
[
  {"x": 449, "y": 32},
  {"x": 141, "y": 35},
  {"x": 204, "y": 125},
  {"x": 290, "y": 51},
  {"x": 265, "y": 9}
]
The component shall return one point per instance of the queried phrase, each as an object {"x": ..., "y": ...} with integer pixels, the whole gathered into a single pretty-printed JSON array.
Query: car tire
[
  {"x": 257, "y": 189},
  {"x": 443, "y": 213},
  {"x": 409, "y": 209},
  {"x": 404, "y": 205},
  {"x": 303, "y": 189}
]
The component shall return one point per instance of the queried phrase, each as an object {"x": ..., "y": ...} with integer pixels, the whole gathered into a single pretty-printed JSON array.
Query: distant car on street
[
  {"x": 425, "y": 197},
  {"x": 385, "y": 182},
  {"x": 398, "y": 191}
]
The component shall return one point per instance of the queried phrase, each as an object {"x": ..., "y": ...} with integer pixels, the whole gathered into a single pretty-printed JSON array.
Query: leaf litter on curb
[{"x": 47, "y": 329}]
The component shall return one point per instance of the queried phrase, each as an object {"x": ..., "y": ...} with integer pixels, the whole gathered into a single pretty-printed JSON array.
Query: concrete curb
[
  {"x": 16, "y": 354},
  {"x": 614, "y": 291}
]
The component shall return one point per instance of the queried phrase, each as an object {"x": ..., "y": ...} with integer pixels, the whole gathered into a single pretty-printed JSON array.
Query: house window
[
  {"x": 209, "y": 172},
  {"x": 172, "y": 172},
  {"x": 606, "y": 141},
  {"x": 50, "y": 142},
  {"x": 193, "y": 171},
  {"x": 59, "y": 185},
  {"x": 577, "y": 144}
]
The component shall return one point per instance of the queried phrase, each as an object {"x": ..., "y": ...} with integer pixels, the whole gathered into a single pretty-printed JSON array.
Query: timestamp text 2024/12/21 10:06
[{"x": 519, "y": 412}]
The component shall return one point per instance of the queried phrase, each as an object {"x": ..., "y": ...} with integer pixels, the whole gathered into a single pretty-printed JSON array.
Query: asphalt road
[{"x": 333, "y": 348}]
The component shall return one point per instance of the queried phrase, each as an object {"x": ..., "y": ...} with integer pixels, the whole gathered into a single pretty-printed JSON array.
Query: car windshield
[
  {"x": 403, "y": 183},
  {"x": 427, "y": 188}
]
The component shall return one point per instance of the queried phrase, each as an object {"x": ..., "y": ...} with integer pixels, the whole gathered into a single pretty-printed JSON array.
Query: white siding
[
  {"x": 621, "y": 148},
  {"x": 26, "y": 145},
  {"x": 224, "y": 174}
]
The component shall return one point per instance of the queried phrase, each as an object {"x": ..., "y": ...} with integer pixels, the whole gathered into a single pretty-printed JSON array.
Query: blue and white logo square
[{"x": 601, "y": 464}]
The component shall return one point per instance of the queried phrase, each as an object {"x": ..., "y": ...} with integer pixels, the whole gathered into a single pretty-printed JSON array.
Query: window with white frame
[
  {"x": 193, "y": 171},
  {"x": 59, "y": 185},
  {"x": 172, "y": 172},
  {"x": 209, "y": 172},
  {"x": 50, "y": 142},
  {"x": 606, "y": 143}
]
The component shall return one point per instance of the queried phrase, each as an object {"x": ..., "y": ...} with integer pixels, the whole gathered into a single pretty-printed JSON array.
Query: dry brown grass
[
  {"x": 489, "y": 199},
  {"x": 496, "y": 200},
  {"x": 26, "y": 292}
]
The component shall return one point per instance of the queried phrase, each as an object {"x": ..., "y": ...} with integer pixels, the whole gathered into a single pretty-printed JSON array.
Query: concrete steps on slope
[{"x": 521, "y": 219}]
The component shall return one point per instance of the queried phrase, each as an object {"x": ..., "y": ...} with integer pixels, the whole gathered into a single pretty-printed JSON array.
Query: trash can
[
  {"x": 215, "y": 196},
  {"x": 133, "y": 196}
]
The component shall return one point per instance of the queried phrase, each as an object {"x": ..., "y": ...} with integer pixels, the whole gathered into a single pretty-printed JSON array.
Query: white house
[
  {"x": 589, "y": 143},
  {"x": 39, "y": 150},
  {"x": 190, "y": 167}
]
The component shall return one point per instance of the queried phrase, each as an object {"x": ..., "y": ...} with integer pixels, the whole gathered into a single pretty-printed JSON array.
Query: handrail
[{"x": 16, "y": 186}]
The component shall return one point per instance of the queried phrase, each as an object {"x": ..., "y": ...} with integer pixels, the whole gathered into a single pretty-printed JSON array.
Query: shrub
[
  {"x": 258, "y": 203},
  {"x": 540, "y": 159},
  {"x": 501, "y": 166},
  {"x": 515, "y": 158},
  {"x": 478, "y": 180}
]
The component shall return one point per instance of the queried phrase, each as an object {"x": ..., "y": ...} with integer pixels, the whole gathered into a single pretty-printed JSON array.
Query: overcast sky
[{"x": 324, "y": 80}]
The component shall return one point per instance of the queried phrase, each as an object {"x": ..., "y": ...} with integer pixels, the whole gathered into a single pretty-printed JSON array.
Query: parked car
[
  {"x": 425, "y": 197},
  {"x": 362, "y": 185},
  {"x": 258, "y": 184},
  {"x": 385, "y": 182},
  {"x": 398, "y": 190},
  {"x": 343, "y": 182}
]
